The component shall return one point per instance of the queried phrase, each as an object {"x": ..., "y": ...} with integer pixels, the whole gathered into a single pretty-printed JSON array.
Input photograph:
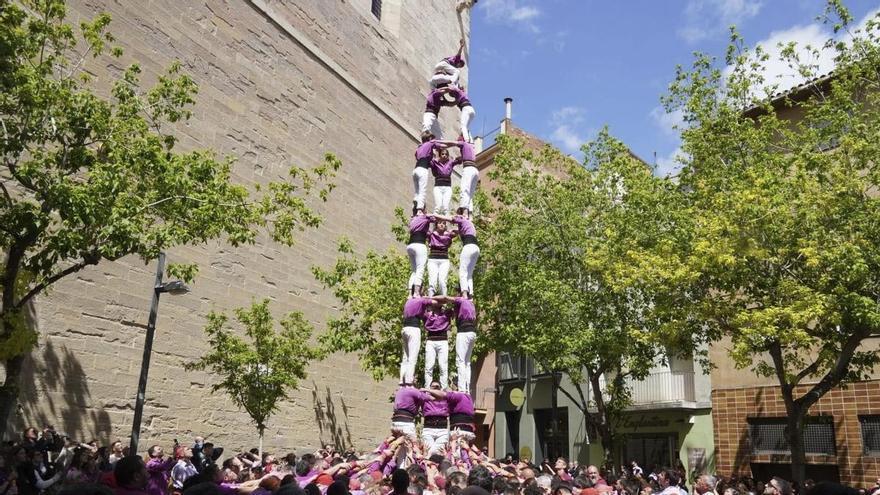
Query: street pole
[{"x": 145, "y": 363}]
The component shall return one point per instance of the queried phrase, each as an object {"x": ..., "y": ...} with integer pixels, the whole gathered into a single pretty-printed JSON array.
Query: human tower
[{"x": 444, "y": 408}]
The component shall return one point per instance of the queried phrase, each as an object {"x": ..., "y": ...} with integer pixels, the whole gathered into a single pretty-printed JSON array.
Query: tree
[
  {"x": 372, "y": 291},
  {"x": 786, "y": 211},
  {"x": 86, "y": 179},
  {"x": 258, "y": 375},
  {"x": 581, "y": 269}
]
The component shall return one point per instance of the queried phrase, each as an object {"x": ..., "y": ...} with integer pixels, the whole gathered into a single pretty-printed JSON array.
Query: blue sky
[{"x": 572, "y": 66}]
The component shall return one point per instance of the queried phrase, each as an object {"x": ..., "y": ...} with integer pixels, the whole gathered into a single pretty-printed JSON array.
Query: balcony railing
[{"x": 663, "y": 387}]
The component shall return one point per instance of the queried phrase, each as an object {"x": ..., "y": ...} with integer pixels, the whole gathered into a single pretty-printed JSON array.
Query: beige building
[{"x": 281, "y": 82}]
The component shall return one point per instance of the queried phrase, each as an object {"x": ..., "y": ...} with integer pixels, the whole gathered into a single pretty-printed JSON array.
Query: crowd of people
[{"x": 48, "y": 463}]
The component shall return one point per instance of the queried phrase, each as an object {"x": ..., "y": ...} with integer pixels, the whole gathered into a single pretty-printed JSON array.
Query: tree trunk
[
  {"x": 9, "y": 392},
  {"x": 603, "y": 423},
  {"x": 260, "y": 446},
  {"x": 554, "y": 419},
  {"x": 795, "y": 435}
]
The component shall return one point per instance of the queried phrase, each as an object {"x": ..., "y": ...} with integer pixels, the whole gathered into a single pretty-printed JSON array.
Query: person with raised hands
[{"x": 448, "y": 70}]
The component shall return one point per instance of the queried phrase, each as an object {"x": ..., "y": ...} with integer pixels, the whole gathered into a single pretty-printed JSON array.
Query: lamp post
[{"x": 174, "y": 287}]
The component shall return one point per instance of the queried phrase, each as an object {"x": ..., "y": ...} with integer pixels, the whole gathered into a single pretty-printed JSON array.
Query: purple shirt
[
  {"x": 426, "y": 150},
  {"x": 409, "y": 399},
  {"x": 461, "y": 98},
  {"x": 420, "y": 223},
  {"x": 415, "y": 307},
  {"x": 160, "y": 472},
  {"x": 465, "y": 226},
  {"x": 465, "y": 309},
  {"x": 435, "y": 408},
  {"x": 467, "y": 151},
  {"x": 437, "y": 322},
  {"x": 440, "y": 242},
  {"x": 434, "y": 101},
  {"x": 442, "y": 169},
  {"x": 460, "y": 403},
  {"x": 454, "y": 60}
]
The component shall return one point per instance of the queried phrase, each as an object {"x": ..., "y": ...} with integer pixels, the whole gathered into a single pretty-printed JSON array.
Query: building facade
[{"x": 281, "y": 82}]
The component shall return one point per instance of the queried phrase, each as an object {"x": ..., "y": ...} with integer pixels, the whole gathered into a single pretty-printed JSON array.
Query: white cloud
[
  {"x": 670, "y": 123},
  {"x": 520, "y": 13},
  {"x": 808, "y": 36},
  {"x": 709, "y": 18},
  {"x": 565, "y": 122},
  {"x": 670, "y": 164}
]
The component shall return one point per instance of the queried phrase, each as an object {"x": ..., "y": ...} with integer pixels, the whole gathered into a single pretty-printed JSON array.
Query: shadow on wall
[
  {"x": 330, "y": 430},
  {"x": 59, "y": 395}
]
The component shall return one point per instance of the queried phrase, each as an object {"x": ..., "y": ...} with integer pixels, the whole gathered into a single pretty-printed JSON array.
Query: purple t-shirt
[
  {"x": 409, "y": 399},
  {"x": 460, "y": 403},
  {"x": 415, "y": 307},
  {"x": 455, "y": 60},
  {"x": 437, "y": 322},
  {"x": 467, "y": 151},
  {"x": 465, "y": 309},
  {"x": 442, "y": 169},
  {"x": 420, "y": 223},
  {"x": 461, "y": 98},
  {"x": 434, "y": 101},
  {"x": 426, "y": 150},
  {"x": 440, "y": 242},
  {"x": 465, "y": 226},
  {"x": 435, "y": 408},
  {"x": 159, "y": 471}
]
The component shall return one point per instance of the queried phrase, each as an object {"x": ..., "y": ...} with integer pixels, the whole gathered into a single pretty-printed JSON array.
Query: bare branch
[{"x": 90, "y": 260}]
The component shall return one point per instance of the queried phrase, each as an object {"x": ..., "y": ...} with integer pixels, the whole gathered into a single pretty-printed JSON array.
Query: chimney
[{"x": 508, "y": 110}]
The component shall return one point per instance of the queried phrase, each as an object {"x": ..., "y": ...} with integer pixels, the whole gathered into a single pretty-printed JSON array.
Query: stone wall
[{"x": 281, "y": 82}]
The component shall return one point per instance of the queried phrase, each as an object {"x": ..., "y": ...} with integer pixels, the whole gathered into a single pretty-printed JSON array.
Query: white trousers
[
  {"x": 438, "y": 272},
  {"x": 437, "y": 351},
  {"x": 470, "y": 176},
  {"x": 442, "y": 198},
  {"x": 464, "y": 348},
  {"x": 412, "y": 337},
  {"x": 434, "y": 439},
  {"x": 470, "y": 253},
  {"x": 420, "y": 186},
  {"x": 418, "y": 256},
  {"x": 430, "y": 123},
  {"x": 467, "y": 115}
]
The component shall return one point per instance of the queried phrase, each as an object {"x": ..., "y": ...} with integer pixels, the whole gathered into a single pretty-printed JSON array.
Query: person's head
[
  {"x": 562, "y": 488},
  {"x": 305, "y": 464},
  {"x": 705, "y": 484},
  {"x": 183, "y": 452},
  {"x": 154, "y": 451},
  {"x": 208, "y": 449},
  {"x": 201, "y": 488},
  {"x": 444, "y": 155},
  {"x": 593, "y": 473},
  {"x": 30, "y": 434},
  {"x": 427, "y": 136},
  {"x": 80, "y": 459},
  {"x": 527, "y": 473},
  {"x": 777, "y": 486},
  {"x": 441, "y": 226},
  {"x": 499, "y": 485},
  {"x": 130, "y": 472},
  {"x": 268, "y": 458},
  {"x": 480, "y": 476},
  {"x": 338, "y": 487},
  {"x": 545, "y": 482},
  {"x": 532, "y": 489},
  {"x": 116, "y": 447},
  {"x": 290, "y": 459},
  {"x": 667, "y": 477},
  {"x": 629, "y": 486},
  {"x": 399, "y": 480},
  {"x": 270, "y": 483}
]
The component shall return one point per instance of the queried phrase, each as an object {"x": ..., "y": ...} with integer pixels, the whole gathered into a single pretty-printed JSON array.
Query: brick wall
[
  {"x": 732, "y": 407},
  {"x": 268, "y": 100}
]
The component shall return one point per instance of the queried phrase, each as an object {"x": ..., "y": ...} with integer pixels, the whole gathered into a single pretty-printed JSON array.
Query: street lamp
[{"x": 174, "y": 287}]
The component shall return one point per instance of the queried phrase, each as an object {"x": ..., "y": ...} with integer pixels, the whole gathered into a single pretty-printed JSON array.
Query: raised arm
[{"x": 438, "y": 394}]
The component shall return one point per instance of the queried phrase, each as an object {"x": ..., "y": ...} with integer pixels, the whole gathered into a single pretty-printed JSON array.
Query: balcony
[{"x": 663, "y": 390}]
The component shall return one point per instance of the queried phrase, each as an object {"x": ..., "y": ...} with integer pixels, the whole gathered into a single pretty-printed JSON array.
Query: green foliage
[
  {"x": 88, "y": 178},
  {"x": 257, "y": 374},
  {"x": 784, "y": 198},
  {"x": 582, "y": 264}
]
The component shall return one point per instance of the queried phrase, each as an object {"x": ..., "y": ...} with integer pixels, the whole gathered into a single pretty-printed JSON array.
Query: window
[
  {"x": 768, "y": 435},
  {"x": 870, "y": 433},
  {"x": 376, "y": 8},
  {"x": 552, "y": 446},
  {"x": 512, "y": 367}
]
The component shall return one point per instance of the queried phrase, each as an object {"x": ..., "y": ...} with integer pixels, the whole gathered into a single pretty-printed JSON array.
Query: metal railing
[{"x": 663, "y": 387}]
